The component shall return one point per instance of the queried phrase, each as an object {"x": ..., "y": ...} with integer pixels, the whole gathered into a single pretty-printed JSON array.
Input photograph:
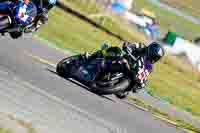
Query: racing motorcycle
[
  {"x": 77, "y": 67},
  {"x": 7, "y": 20}
]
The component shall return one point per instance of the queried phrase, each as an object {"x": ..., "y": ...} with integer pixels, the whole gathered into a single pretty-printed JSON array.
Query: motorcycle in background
[{"x": 7, "y": 20}]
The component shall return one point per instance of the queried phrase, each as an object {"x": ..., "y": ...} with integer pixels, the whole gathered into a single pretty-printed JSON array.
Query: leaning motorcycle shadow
[{"x": 74, "y": 81}]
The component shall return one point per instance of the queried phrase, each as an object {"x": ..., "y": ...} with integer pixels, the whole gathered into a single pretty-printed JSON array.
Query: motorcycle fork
[{"x": 109, "y": 76}]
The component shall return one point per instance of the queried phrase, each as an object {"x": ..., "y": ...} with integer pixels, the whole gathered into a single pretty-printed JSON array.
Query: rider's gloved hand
[{"x": 44, "y": 18}]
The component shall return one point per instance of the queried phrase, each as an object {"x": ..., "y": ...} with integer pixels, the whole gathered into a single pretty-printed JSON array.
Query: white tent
[
  {"x": 134, "y": 19},
  {"x": 187, "y": 48},
  {"x": 127, "y": 3}
]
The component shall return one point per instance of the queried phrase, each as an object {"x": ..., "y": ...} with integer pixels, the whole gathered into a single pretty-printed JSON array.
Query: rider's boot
[{"x": 122, "y": 94}]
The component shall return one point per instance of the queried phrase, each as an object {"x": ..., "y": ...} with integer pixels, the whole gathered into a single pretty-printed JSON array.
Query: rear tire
[
  {"x": 15, "y": 35},
  {"x": 111, "y": 89}
]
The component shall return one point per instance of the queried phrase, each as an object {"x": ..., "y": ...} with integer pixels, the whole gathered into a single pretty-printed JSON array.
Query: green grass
[
  {"x": 171, "y": 21},
  {"x": 119, "y": 27},
  {"x": 68, "y": 31},
  {"x": 172, "y": 79},
  {"x": 189, "y": 6},
  {"x": 177, "y": 86},
  {"x": 109, "y": 21},
  {"x": 90, "y": 7},
  {"x": 3, "y": 130}
]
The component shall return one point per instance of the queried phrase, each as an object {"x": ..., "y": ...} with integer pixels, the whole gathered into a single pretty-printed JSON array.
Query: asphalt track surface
[{"x": 19, "y": 63}]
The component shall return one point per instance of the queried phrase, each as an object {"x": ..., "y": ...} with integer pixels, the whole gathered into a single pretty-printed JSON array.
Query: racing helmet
[
  {"x": 48, "y": 4},
  {"x": 154, "y": 52}
]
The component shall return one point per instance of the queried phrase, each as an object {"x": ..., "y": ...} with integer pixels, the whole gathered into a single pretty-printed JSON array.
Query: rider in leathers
[
  {"x": 20, "y": 11},
  {"x": 134, "y": 59},
  {"x": 43, "y": 7}
]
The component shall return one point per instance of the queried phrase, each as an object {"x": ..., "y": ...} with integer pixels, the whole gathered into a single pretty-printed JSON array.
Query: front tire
[{"x": 61, "y": 68}]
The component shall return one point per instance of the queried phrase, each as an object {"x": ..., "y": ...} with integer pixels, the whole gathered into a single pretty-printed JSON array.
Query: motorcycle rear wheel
[
  {"x": 107, "y": 90},
  {"x": 15, "y": 35}
]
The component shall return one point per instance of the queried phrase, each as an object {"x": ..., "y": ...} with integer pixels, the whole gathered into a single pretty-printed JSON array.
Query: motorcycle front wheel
[{"x": 63, "y": 67}]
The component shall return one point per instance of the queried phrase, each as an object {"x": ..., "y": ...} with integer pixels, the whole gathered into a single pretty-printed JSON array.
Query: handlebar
[{"x": 130, "y": 54}]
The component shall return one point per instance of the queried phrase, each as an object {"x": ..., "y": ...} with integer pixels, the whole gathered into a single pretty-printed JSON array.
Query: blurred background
[{"x": 83, "y": 25}]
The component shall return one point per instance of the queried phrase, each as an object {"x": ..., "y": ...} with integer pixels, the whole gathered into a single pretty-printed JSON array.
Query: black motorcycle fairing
[
  {"x": 88, "y": 70},
  {"x": 72, "y": 66}
]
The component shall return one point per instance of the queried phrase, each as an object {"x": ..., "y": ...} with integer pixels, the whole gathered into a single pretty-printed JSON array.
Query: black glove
[{"x": 44, "y": 18}]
